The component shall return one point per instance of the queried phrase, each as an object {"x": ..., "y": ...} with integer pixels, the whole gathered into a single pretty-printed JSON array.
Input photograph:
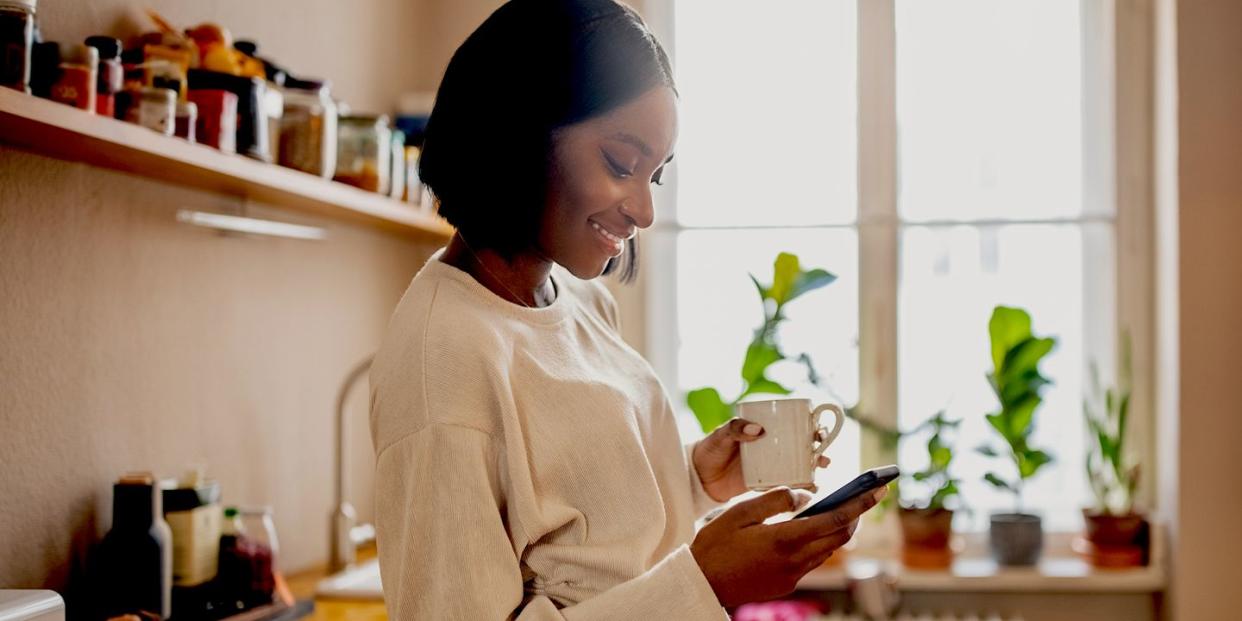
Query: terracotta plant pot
[
  {"x": 926, "y": 535},
  {"x": 1115, "y": 540},
  {"x": 1017, "y": 538}
]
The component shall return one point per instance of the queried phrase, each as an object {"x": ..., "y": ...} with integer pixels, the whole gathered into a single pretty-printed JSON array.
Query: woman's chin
[{"x": 586, "y": 269}]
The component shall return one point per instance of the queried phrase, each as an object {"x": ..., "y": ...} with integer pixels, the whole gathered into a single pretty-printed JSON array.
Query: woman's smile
[{"x": 612, "y": 242}]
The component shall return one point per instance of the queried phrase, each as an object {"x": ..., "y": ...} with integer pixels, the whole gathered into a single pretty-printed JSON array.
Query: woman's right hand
[{"x": 746, "y": 560}]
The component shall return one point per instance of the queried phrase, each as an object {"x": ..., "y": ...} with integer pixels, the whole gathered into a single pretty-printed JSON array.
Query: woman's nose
[{"x": 640, "y": 210}]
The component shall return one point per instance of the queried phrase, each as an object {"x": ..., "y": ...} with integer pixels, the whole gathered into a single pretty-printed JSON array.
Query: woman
[{"x": 528, "y": 461}]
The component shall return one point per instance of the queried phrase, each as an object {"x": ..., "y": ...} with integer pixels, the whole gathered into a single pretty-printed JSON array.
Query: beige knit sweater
[{"x": 529, "y": 465}]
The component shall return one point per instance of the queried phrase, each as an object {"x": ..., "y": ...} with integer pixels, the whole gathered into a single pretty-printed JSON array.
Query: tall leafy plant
[
  {"x": 789, "y": 282},
  {"x": 1112, "y": 476},
  {"x": 1017, "y": 382}
]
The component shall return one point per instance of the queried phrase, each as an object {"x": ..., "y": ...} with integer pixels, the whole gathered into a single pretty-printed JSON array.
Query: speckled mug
[{"x": 792, "y": 442}]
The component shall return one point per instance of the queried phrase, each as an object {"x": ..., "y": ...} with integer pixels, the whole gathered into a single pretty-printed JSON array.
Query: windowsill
[{"x": 1060, "y": 570}]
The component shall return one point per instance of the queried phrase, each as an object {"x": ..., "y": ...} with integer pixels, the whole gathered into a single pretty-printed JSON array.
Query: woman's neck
[{"x": 522, "y": 279}]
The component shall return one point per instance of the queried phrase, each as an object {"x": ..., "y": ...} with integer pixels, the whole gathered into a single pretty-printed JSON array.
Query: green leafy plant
[
  {"x": 1113, "y": 478},
  {"x": 1017, "y": 383},
  {"x": 936, "y": 476},
  {"x": 789, "y": 282}
]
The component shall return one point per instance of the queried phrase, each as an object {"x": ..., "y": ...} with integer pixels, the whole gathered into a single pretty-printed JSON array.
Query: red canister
[{"x": 217, "y": 118}]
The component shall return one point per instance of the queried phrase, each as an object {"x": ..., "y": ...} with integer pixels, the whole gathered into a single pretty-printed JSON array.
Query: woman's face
[{"x": 600, "y": 181}]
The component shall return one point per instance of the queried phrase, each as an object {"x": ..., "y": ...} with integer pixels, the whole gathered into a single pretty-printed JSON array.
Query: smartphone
[{"x": 862, "y": 484}]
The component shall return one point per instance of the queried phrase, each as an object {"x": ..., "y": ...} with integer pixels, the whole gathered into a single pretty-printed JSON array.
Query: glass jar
[
  {"x": 308, "y": 128},
  {"x": 17, "y": 18},
  {"x": 257, "y": 523},
  {"x": 363, "y": 152}
]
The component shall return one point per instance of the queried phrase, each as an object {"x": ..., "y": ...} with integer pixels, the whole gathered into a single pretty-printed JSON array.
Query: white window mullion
[{"x": 878, "y": 223}]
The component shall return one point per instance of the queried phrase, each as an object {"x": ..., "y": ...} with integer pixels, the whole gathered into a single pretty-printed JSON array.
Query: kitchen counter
[{"x": 302, "y": 585}]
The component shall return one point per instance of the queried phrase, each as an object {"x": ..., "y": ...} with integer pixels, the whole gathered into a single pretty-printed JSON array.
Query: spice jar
[
  {"x": 153, "y": 108},
  {"x": 363, "y": 153},
  {"x": 17, "y": 20},
  {"x": 110, "y": 76},
  {"x": 76, "y": 85},
  {"x": 308, "y": 128},
  {"x": 217, "y": 118}
]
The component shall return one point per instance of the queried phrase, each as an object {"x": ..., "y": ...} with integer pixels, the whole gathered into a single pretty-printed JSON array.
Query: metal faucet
[{"x": 346, "y": 533}]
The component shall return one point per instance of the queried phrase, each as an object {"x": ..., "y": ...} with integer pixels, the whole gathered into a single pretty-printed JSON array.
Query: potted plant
[
  {"x": 1017, "y": 537},
  {"x": 927, "y": 527},
  {"x": 1115, "y": 532}
]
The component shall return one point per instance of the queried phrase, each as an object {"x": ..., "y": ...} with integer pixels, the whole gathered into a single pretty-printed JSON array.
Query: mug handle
[{"x": 820, "y": 431}]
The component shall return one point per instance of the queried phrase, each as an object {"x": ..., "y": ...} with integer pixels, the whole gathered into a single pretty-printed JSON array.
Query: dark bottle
[{"x": 135, "y": 557}]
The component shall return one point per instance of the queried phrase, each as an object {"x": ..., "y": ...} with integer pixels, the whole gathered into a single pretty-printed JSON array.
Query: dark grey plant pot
[{"x": 1017, "y": 538}]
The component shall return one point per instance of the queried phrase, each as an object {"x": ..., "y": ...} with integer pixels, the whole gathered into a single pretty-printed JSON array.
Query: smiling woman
[{"x": 528, "y": 461}]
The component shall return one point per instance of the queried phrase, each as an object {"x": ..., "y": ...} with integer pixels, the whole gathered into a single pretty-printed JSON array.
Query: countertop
[{"x": 302, "y": 585}]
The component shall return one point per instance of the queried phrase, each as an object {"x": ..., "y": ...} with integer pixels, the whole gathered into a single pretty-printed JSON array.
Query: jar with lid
[
  {"x": 364, "y": 152},
  {"x": 111, "y": 74},
  {"x": 308, "y": 128},
  {"x": 17, "y": 22}
]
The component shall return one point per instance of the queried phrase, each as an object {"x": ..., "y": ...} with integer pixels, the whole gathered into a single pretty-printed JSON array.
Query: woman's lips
[{"x": 614, "y": 243}]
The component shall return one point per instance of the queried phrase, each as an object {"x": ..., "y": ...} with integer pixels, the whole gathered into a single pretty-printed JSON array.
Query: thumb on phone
[{"x": 771, "y": 502}]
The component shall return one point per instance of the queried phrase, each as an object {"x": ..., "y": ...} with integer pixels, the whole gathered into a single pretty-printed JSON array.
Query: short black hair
[{"x": 532, "y": 67}]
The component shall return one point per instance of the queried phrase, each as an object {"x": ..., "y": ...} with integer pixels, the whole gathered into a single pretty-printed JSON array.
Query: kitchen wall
[{"x": 128, "y": 341}]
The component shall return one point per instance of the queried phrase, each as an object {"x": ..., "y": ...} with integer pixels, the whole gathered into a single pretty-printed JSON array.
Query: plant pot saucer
[{"x": 1109, "y": 557}]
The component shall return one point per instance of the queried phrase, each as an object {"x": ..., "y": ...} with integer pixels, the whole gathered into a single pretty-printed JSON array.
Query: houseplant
[
  {"x": 1114, "y": 529},
  {"x": 789, "y": 282},
  {"x": 926, "y": 526},
  {"x": 1016, "y": 537}
]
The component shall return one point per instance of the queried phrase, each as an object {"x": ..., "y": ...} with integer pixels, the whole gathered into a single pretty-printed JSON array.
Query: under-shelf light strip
[{"x": 252, "y": 226}]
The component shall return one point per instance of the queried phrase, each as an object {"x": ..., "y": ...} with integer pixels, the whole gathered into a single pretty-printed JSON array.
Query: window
[{"x": 993, "y": 189}]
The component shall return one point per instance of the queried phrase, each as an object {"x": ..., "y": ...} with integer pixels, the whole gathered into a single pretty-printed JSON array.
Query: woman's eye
[{"x": 617, "y": 169}]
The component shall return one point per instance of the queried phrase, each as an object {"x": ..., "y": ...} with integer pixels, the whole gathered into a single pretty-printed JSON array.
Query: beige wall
[
  {"x": 128, "y": 341},
  {"x": 1204, "y": 205}
]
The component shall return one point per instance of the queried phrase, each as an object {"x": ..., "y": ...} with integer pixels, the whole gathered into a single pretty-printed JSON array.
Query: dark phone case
[{"x": 861, "y": 484}]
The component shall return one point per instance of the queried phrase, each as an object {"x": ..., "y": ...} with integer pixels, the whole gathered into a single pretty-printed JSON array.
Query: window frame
[{"x": 1118, "y": 84}]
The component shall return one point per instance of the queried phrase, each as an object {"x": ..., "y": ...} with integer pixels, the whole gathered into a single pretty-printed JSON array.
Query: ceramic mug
[{"x": 787, "y": 453}]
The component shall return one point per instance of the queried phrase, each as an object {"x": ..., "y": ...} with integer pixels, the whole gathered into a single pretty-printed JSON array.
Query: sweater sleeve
[
  {"x": 446, "y": 553},
  {"x": 703, "y": 503}
]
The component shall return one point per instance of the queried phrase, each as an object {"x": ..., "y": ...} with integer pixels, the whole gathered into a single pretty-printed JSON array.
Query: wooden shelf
[{"x": 56, "y": 130}]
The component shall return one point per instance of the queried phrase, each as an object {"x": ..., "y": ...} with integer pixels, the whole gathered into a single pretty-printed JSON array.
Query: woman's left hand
[{"x": 718, "y": 459}]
